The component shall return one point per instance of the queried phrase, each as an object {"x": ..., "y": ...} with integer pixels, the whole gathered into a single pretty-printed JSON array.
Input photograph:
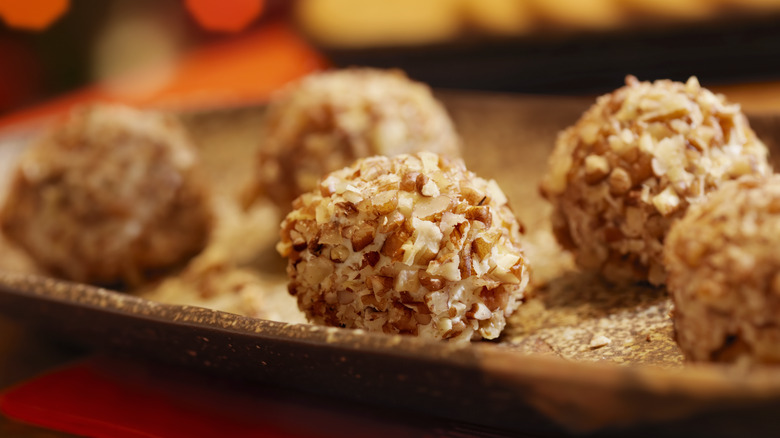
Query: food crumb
[{"x": 599, "y": 341}]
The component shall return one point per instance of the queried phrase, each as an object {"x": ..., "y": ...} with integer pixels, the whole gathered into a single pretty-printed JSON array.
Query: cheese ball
[
  {"x": 414, "y": 244},
  {"x": 724, "y": 273},
  {"x": 108, "y": 195},
  {"x": 328, "y": 120},
  {"x": 634, "y": 162}
]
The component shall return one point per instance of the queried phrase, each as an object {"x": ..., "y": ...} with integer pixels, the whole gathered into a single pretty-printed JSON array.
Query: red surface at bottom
[{"x": 107, "y": 398}]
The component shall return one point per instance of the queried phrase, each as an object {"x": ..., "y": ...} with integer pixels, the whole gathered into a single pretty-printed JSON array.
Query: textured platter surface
[{"x": 545, "y": 374}]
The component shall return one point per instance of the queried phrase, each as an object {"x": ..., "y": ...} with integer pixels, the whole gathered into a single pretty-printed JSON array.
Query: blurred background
[{"x": 227, "y": 52}]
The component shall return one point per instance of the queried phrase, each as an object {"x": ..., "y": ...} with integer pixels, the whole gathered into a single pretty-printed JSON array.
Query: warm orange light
[
  {"x": 225, "y": 15},
  {"x": 32, "y": 14}
]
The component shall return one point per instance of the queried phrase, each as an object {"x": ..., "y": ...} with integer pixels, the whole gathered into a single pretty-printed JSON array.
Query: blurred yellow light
[
  {"x": 510, "y": 17},
  {"x": 366, "y": 23}
]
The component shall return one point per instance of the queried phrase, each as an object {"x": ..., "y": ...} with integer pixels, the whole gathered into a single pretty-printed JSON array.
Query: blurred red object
[
  {"x": 32, "y": 14},
  {"x": 242, "y": 71},
  {"x": 20, "y": 76},
  {"x": 105, "y": 397},
  {"x": 225, "y": 15}
]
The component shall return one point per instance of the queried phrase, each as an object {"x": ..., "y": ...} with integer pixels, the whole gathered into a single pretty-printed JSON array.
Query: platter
[{"x": 544, "y": 375}]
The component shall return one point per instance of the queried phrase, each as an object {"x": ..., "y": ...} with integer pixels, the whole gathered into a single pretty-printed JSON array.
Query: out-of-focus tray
[{"x": 543, "y": 376}]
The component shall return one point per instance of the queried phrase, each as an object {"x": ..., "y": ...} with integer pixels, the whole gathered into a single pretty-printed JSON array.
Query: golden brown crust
[{"x": 631, "y": 166}]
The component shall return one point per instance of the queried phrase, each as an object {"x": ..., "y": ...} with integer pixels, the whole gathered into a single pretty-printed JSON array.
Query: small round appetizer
[
  {"x": 414, "y": 244},
  {"x": 107, "y": 195},
  {"x": 632, "y": 165},
  {"x": 328, "y": 120},
  {"x": 724, "y": 273}
]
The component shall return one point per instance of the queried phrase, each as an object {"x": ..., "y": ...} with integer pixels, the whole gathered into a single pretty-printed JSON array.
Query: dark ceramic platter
[
  {"x": 485, "y": 383},
  {"x": 482, "y": 383}
]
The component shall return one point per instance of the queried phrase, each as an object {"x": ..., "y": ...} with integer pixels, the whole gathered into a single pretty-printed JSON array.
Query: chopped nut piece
[
  {"x": 428, "y": 207},
  {"x": 339, "y": 253},
  {"x": 394, "y": 242},
  {"x": 430, "y": 282},
  {"x": 634, "y": 162},
  {"x": 385, "y": 202},
  {"x": 413, "y": 261},
  {"x": 391, "y": 222},
  {"x": 619, "y": 181},
  {"x": 409, "y": 181},
  {"x": 481, "y": 247},
  {"x": 363, "y": 235},
  {"x": 666, "y": 202},
  {"x": 480, "y": 213},
  {"x": 479, "y": 311},
  {"x": 421, "y": 181},
  {"x": 429, "y": 189},
  {"x": 596, "y": 168},
  {"x": 599, "y": 341}
]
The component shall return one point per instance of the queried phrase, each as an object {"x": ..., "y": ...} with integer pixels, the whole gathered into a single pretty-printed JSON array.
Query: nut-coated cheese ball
[
  {"x": 108, "y": 195},
  {"x": 328, "y": 120},
  {"x": 634, "y": 162},
  {"x": 724, "y": 273},
  {"x": 414, "y": 244}
]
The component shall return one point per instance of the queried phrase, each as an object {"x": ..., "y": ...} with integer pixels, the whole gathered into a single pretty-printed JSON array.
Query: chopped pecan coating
[
  {"x": 724, "y": 265},
  {"x": 327, "y": 120},
  {"x": 631, "y": 166},
  {"x": 443, "y": 264},
  {"x": 109, "y": 195}
]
